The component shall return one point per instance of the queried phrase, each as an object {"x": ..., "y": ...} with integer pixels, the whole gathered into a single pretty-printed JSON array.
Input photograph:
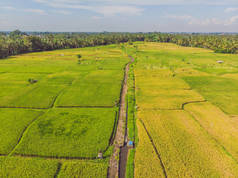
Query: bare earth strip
[{"x": 120, "y": 133}]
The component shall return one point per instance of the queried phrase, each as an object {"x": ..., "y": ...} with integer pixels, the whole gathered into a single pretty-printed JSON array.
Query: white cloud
[
  {"x": 8, "y": 7},
  {"x": 97, "y": 17},
  {"x": 204, "y": 22},
  {"x": 112, "y": 10},
  {"x": 231, "y": 9},
  {"x": 37, "y": 11},
  {"x": 62, "y": 12},
  {"x": 106, "y": 10},
  {"x": 180, "y": 17},
  {"x": 232, "y": 20},
  {"x": 146, "y": 2}
]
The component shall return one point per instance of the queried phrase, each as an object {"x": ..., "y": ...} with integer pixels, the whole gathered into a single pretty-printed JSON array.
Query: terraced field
[
  {"x": 186, "y": 112},
  {"x": 57, "y": 125}
]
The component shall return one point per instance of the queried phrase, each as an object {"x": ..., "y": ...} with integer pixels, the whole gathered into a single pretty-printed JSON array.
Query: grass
[
  {"x": 91, "y": 95},
  {"x": 131, "y": 106},
  {"x": 101, "y": 70},
  {"x": 96, "y": 88},
  {"x": 69, "y": 133},
  {"x": 59, "y": 132},
  {"x": 16, "y": 167},
  {"x": 130, "y": 167},
  {"x": 37, "y": 96},
  {"x": 131, "y": 125},
  {"x": 220, "y": 91},
  {"x": 85, "y": 169},
  {"x": 13, "y": 123}
]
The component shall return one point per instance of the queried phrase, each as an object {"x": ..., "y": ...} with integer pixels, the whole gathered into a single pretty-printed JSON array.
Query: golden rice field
[
  {"x": 146, "y": 161},
  {"x": 187, "y": 102}
]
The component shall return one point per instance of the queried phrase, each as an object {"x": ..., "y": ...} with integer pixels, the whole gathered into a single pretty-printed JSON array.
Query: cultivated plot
[
  {"x": 38, "y": 139},
  {"x": 84, "y": 169},
  {"x": 69, "y": 133},
  {"x": 13, "y": 167},
  {"x": 185, "y": 148},
  {"x": 146, "y": 155},
  {"x": 175, "y": 87},
  {"x": 221, "y": 91},
  {"x": 97, "y": 88},
  {"x": 220, "y": 127},
  {"x": 155, "y": 90},
  {"x": 13, "y": 124}
]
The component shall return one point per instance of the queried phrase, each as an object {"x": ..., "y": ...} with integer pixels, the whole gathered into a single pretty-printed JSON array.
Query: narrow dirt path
[{"x": 121, "y": 127}]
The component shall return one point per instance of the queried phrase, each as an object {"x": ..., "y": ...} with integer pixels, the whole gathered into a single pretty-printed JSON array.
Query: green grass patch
[
  {"x": 130, "y": 166},
  {"x": 37, "y": 96},
  {"x": 16, "y": 167},
  {"x": 91, "y": 94},
  {"x": 69, "y": 133},
  {"x": 131, "y": 105},
  {"x": 85, "y": 169},
  {"x": 13, "y": 123},
  {"x": 96, "y": 88},
  {"x": 220, "y": 91}
]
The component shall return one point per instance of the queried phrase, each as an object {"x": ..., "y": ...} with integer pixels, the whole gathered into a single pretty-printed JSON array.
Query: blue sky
[{"x": 120, "y": 15}]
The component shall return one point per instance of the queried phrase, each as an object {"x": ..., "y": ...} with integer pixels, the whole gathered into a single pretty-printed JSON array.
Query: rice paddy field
[
  {"x": 57, "y": 125},
  {"x": 186, "y": 112},
  {"x": 58, "y": 111}
]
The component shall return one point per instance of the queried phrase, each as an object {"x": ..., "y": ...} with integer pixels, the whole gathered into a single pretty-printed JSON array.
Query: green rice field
[
  {"x": 58, "y": 112},
  {"x": 57, "y": 125}
]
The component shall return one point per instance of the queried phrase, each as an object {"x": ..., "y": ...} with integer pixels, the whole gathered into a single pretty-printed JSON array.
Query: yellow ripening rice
[
  {"x": 222, "y": 128},
  {"x": 154, "y": 90},
  {"x": 232, "y": 76},
  {"x": 154, "y": 46},
  {"x": 156, "y": 73},
  {"x": 185, "y": 148},
  {"x": 165, "y": 99},
  {"x": 181, "y": 72},
  {"x": 157, "y": 82},
  {"x": 147, "y": 163}
]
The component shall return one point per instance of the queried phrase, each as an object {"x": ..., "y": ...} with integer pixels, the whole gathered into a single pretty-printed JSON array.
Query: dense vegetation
[
  {"x": 220, "y": 43},
  {"x": 18, "y": 42}
]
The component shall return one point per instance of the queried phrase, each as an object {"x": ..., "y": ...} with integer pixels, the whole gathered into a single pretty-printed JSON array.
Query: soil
[
  {"x": 119, "y": 140},
  {"x": 123, "y": 161}
]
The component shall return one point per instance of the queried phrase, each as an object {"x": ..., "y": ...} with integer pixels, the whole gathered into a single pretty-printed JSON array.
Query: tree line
[
  {"x": 18, "y": 42},
  {"x": 219, "y": 43}
]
